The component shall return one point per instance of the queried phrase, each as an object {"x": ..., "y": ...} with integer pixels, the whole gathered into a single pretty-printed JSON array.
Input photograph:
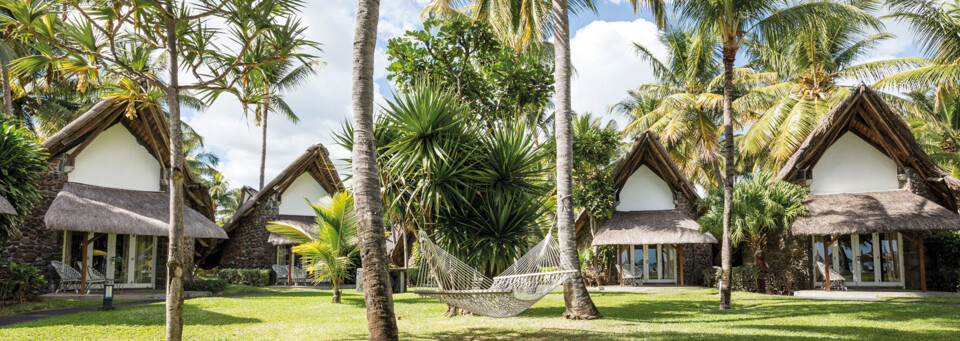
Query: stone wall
[
  {"x": 35, "y": 244},
  {"x": 697, "y": 258},
  {"x": 247, "y": 247}
]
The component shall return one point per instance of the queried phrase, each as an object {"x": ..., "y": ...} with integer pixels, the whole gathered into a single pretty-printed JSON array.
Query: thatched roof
[
  {"x": 868, "y": 116},
  {"x": 315, "y": 160},
  {"x": 647, "y": 151},
  {"x": 6, "y": 207},
  {"x": 89, "y": 208},
  {"x": 306, "y": 223},
  {"x": 651, "y": 227},
  {"x": 847, "y": 213},
  {"x": 149, "y": 126}
]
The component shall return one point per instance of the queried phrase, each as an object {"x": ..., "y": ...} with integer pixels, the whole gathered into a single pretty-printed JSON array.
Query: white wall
[
  {"x": 115, "y": 159},
  {"x": 645, "y": 191},
  {"x": 852, "y": 165},
  {"x": 304, "y": 186}
]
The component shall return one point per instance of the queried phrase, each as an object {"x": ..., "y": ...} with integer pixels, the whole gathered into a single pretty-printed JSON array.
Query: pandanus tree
[
  {"x": 381, "y": 320},
  {"x": 102, "y": 32},
  {"x": 763, "y": 209},
  {"x": 732, "y": 21},
  {"x": 329, "y": 248},
  {"x": 806, "y": 75}
]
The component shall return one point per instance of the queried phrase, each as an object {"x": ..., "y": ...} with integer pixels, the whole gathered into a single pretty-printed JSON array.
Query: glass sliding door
[
  {"x": 654, "y": 263},
  {"x": 866, "y": 259},
  {"x": 668, "y": 258},
  {"x": 126, "y": 259}
]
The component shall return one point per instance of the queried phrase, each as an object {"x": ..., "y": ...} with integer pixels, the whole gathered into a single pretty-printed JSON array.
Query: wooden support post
[
  {"x": 923, "y": 265},
  {"x": 826, "y": 264},
  {"x": 679, "y": 248},
  {"x": 83, "y": 258},
  {"x": 619, "y": 265},
  {"x": 290, "y": 268}
]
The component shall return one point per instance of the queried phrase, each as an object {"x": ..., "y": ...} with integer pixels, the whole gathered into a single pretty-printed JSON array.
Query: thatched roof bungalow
[
  {"x": 872, "y": 187},
  {"x": 105, "y": 201},
  {"x": 653, "y": 225},
  {"x": 311, "y": 176}
]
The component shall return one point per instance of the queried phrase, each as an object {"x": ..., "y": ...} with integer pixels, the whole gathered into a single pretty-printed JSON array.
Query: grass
[
  {"x": 949, "y": 300},
  {"x": 309, "y": 315},
  {"x": 53, "y": 304}
]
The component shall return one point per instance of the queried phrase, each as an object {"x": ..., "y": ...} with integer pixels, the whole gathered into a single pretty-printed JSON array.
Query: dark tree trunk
[
  {"x": 381, "y": 321},
  {"x": 575, "y": 296},
  {"x": 729, "y": 55}
]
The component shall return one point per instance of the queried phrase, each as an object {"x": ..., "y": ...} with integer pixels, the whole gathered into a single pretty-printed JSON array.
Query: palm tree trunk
[
  {"x": 381, "y": 321},
  {"x": 175, "y": 256},
  {"x": 575, "y": 295},
  {"x": 729, "y": 55},
  {"x": 263, "y": 142},
  {"x": 7, "y": 92}
]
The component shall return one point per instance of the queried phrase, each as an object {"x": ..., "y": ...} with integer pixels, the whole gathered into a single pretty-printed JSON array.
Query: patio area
[{"x": 871, "y": 294}]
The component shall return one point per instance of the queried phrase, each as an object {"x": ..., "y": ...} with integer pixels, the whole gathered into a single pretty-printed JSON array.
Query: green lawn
[
  {"x": 308, "y": 315},
  {"x": 54, "y": 304},
  {"x": 949, "y": 300}
]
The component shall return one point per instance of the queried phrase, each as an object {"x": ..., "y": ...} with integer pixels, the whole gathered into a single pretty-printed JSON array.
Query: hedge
[
  {"x": 254, "y": 277},
  {"x": 211, "y": 285}
]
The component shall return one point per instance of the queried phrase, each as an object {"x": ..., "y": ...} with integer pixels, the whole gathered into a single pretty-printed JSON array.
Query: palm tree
[
  {"x": 683, "y": 107},
  {"x": 328, "y": 249},
  {"x": 381, "y": 321},
  {"x": 732, "y": 20},
  {"x": 266, "y": 85},
  {"x": 806, "y": 70},
  {"x": 934, "y": 119},
  {"x": 937, "y": 28},
  {"x": 762, "y": 210}
]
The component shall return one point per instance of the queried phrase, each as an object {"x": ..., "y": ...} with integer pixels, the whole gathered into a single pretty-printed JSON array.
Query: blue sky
[{"x": 601, "y": 49}]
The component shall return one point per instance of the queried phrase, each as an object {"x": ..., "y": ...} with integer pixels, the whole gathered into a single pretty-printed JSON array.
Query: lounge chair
[
  {"x": 836, "y": 279},
  {"x": 282, "y": 274},
  {"x": 68, "y": 276},
  {"x": 94, "y": 277},
  {"x": 299, "y": 276},
  {"x": 631, "y": 275}
]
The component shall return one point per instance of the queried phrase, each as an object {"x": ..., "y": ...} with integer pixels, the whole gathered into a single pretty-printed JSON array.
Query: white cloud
[
  {"x": 322, "y": 104},
  {"x": 606, "y": 66}
]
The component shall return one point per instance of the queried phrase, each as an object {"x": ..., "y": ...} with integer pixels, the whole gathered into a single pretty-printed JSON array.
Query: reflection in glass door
[
  {"x": 128, "y": 260},
  {"x": 143, "y": 265},
  {"x": 868, "y": 259}
]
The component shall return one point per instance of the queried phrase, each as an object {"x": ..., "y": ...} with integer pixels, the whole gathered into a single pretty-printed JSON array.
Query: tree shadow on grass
[
  {"x": 145, "y": 315},
  {"x": 478, "y": 333}
]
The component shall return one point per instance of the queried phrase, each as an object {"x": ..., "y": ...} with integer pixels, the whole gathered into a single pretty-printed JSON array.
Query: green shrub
[
  {"x": 22, "y": 161},
  {"x": 254, "y": 277},
  {"x": 211, "y": 285},
  {"x": 19, "y": 282},
  {"x": 744, "y": 278}
]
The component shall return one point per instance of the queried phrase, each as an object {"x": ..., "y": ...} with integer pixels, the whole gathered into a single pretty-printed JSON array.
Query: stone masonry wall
[
  {"x": 35, "y": 244},
  {"x": 247, "y": 247}
]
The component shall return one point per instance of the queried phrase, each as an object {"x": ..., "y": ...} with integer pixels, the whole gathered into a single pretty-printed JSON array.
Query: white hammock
[{"x": 521, "y": 285}]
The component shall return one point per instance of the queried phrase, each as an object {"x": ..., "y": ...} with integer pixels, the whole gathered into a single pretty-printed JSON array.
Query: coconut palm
[
  {"x": 732, "y": 21},
  {"x": 381, "y": 320},
  {"x": 763, "y": 209},
  {"x": 328, "y": 249},
  {"x": 682, "y": 107},
  {"x": 936, "y": 25},
  {"x": 807, "y": 70},
  {"x": 934, "y": 119}
]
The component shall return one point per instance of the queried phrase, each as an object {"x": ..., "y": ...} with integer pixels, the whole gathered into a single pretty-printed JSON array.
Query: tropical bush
[
  {"x": 211, "y": 285},
  {"x": 254, "y": 277},
  {"x": 481, "y": 192},
  {"x": 22, "y": 160},
  {"x": 744, "y": 278},
  {"x": 763, "y": 210},
  {"x": 19, "y": 282},
  {"x": 328, "y": 251}
]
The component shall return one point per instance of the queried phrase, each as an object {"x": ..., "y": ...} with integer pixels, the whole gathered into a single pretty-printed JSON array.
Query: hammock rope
[{"x": 450, "y": 280}]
